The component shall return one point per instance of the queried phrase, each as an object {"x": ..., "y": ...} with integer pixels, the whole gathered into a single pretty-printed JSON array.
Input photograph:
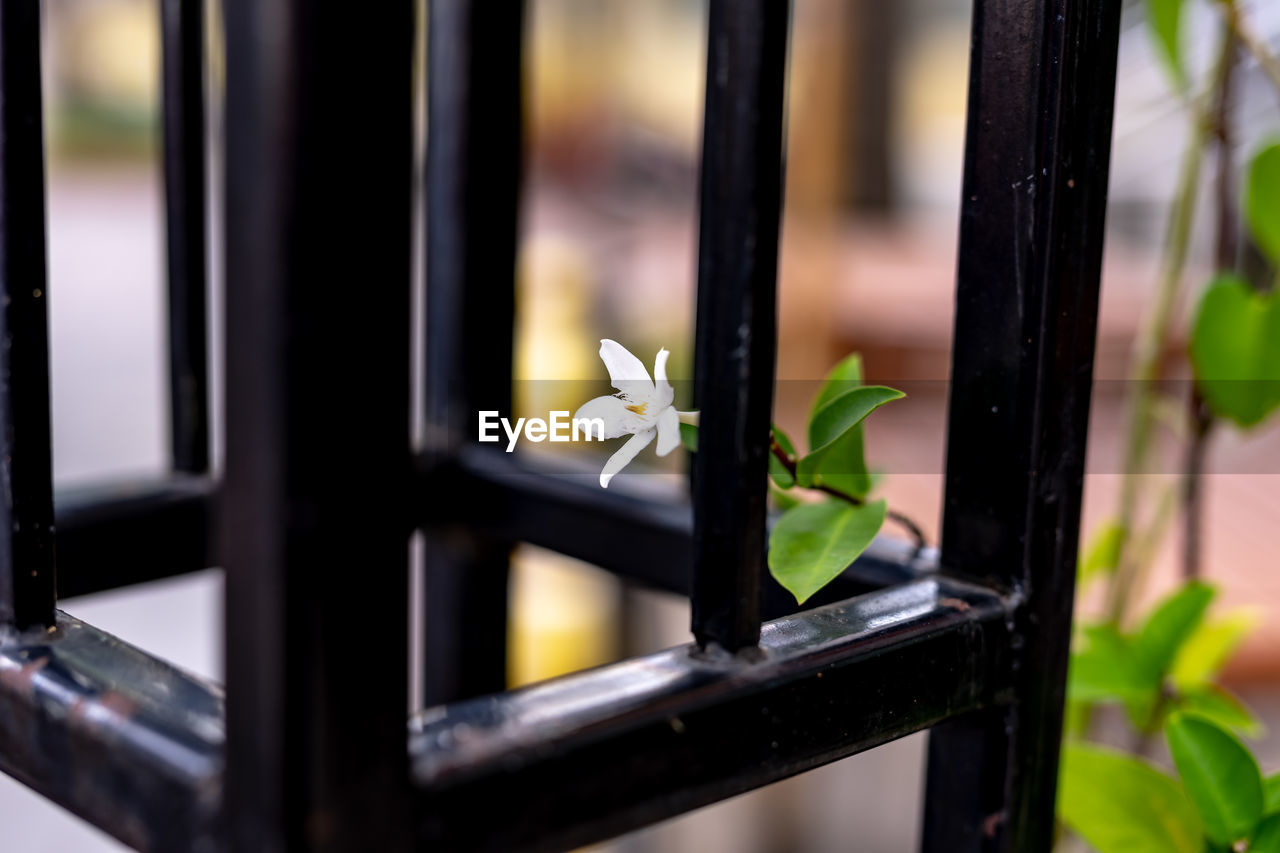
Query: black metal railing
[{"x": 322, "y": 488}]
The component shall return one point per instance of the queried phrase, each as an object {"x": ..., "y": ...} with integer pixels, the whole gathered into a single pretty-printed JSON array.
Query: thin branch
[
  {"x": 1193, "y": 487},
  {"x": 1227, "y": 254},
  {"x": 1152, "y": 341},
  {"x": 789, "y": 462},
  {"x": 1227, "y": 250}
]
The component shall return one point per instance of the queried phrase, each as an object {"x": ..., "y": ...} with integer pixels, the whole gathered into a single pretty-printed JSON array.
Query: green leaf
[
  {"x": 846, "y": 411},
  {"x": 689, "y": 437},
  {"x": 1266, "y": 838},
  {"x": 1262, "y": 201},
  {"x": 832, "y": 423},
  {"x": 781, "y": 476},
  {"x": 813, "y": 543},
  {"x": 1220, "y": 776},
  {"x": 845, "y": 467},
  {"x": 1121, "y": 804},
  {"x": 1103, "y": 552},
  {"x": 1272, "y": 789},
  {"x": 845, "y": 376},
  {"x": 783, "y": 500},
  {"x": 1164, "y": 18},
  {"x": 1169, "y": 626},
  {"x": 1235, "y": 350},
  {"x": 1207, "y": 649},
  {"x": 1220, "y": 706},
  {"x": 1075, "y": 719},
  {"x": 1105, "y": 669},
  {"x": 1111, "y": 667}
]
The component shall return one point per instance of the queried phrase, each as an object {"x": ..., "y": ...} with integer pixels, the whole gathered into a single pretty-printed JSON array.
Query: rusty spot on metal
[
  {"x": 118, "y": 703},
  {"x": 109, "y": 702},
  {"x": 957, "y": 604}
]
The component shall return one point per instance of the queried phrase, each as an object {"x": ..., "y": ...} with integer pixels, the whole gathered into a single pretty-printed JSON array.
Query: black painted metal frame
[{"x": 322, "y": 488}]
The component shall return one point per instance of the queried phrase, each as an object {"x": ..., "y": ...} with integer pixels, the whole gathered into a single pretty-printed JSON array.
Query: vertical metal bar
[
  {"x": 741, "y": 201},
  {"x": 474, "y": 123},
  {"x": 314, "y": 528},
  {"x": 183, "y": 103},
  {"x": 1042, "y": 85},
  {"x": 27, "y": 583}
]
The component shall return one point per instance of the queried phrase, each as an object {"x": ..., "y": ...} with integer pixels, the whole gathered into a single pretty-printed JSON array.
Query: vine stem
[
  {"x": 1153, "y": 339},
  {"x": 789, "y": 462},
  {"x": 1193, "y": 486},
  {"x": 1226, "y": 254}
]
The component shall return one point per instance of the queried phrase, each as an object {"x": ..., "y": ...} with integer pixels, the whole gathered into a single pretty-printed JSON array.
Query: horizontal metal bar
[
  {"x": 125, "y": 741},
  {"x": 588, "y": 756},
  {"x": 132, "y": 531},
  {"x": 135, "y": 746},
  {"x": 647, "y": 539}
]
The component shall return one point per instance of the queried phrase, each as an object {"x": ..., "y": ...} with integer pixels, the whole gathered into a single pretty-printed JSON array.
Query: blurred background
[{"x": 609, "y": 236}]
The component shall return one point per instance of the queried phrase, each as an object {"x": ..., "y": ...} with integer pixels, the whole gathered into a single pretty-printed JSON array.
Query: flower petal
[
  {"x": 625, "y": 454},
  {"x": 668, "y": 431},
  {"x": 664, "y": 390},
  {"x": 618, "y": 419},
  {"x": 626, "y": 372}
]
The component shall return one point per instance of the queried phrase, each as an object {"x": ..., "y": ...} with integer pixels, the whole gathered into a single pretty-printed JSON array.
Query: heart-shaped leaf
[
  {"x": 1220, "y": 776},
  {"x": 1235, "y": 350},
  {"x": 813, "y": 543},
  {"x": 1262, "y": 201},
  {"x": 1121, "y": 804},
  {"x": 831, "y": 424}
]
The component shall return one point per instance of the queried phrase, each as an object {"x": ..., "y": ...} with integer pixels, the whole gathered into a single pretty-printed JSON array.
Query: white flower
[{"x": 642, "y": 407}]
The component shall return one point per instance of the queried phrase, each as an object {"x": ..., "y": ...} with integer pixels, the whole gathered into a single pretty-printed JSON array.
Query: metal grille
[{"x": 322, "y": 489}]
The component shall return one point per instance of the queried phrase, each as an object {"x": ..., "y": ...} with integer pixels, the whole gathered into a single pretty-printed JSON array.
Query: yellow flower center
[{"x": 638, "y": 408}]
